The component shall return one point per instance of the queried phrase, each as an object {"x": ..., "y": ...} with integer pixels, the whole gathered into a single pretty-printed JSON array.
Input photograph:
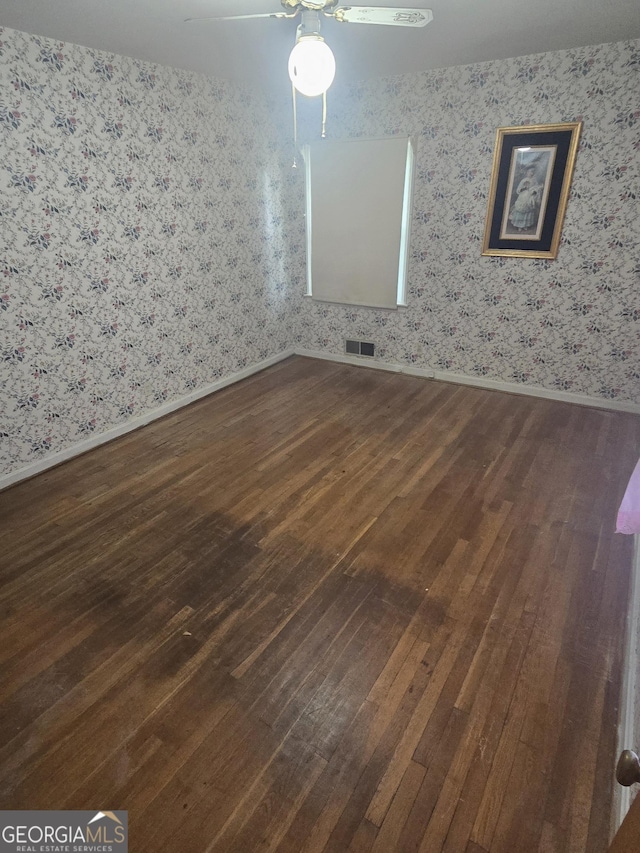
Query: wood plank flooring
[{"x": 325, "y": 609}]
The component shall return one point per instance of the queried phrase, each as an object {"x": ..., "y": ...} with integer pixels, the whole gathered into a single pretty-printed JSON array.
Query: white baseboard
[
  {"x": 476, "y": 381},
  {"x": 358, "y": 360},
  {"x": 135, "y": 423},
  {"x": 627, "y": 734},
  {"x": 428, "y": 373}
]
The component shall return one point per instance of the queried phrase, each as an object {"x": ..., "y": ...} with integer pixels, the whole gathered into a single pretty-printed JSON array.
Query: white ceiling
[{"x": 462, "y": 31}]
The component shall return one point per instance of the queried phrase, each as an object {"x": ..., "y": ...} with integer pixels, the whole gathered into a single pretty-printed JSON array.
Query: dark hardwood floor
[{"x": 325, "y": 609}]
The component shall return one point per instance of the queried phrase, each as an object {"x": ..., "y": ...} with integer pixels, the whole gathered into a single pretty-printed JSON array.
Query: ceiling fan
[
  {"x": 343, "y": 14},
  {"x": 311, "y": 56},
  {"x": 312, "y": 65}
]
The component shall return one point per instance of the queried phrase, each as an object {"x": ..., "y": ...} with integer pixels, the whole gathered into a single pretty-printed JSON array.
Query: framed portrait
[{"x": 530, "y": 181}]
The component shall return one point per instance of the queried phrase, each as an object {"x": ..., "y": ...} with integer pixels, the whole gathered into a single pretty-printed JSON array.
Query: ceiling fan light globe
[{"x": 312, "y": 66}]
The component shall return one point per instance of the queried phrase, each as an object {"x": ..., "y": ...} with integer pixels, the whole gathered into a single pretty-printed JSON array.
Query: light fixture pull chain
[
  {"x": 295, "y": 129},
  {"x": 324, "y": 114}
]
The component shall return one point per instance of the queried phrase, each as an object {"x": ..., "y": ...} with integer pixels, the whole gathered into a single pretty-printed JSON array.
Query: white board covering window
[{"x": 358, "y": 220}]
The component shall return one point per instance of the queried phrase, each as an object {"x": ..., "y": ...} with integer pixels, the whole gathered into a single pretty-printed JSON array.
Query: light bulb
[{"x": 312, "y": 66}]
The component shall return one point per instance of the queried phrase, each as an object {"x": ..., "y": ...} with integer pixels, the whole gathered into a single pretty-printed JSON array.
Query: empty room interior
[{"x": 319, "y": 412}]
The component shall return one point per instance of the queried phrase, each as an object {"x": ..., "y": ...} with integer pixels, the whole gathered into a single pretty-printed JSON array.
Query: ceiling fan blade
[
  {"x": 382, "y": 15},
  {"x": 240, "y": 17}
]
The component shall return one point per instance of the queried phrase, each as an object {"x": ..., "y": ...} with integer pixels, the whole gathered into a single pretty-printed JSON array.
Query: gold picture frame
[{"x": 530, "y": 182}]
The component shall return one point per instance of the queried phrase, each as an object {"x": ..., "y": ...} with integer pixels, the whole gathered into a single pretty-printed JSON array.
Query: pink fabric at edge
[{"x": 629, "y": 512}]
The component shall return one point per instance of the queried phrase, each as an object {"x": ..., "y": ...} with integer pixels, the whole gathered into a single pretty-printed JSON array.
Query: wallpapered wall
[
  {"x": 571, "y": 324},
  {"x": 143, "y": 247},
  {"x": 151, "y": 234}
]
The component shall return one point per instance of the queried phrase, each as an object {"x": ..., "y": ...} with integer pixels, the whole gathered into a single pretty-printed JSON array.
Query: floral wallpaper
[
  {"x": 141, "y": 249},
  {"x": 151, "y": 234},
  {"x": 571, "y": 324}
]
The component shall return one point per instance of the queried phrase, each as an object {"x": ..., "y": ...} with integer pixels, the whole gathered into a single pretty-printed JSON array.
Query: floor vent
[{"x": 359, "y": 348}]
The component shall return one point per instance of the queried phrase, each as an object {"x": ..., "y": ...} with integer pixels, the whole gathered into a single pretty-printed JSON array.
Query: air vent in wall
[{"x": 359, "y": 348}]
